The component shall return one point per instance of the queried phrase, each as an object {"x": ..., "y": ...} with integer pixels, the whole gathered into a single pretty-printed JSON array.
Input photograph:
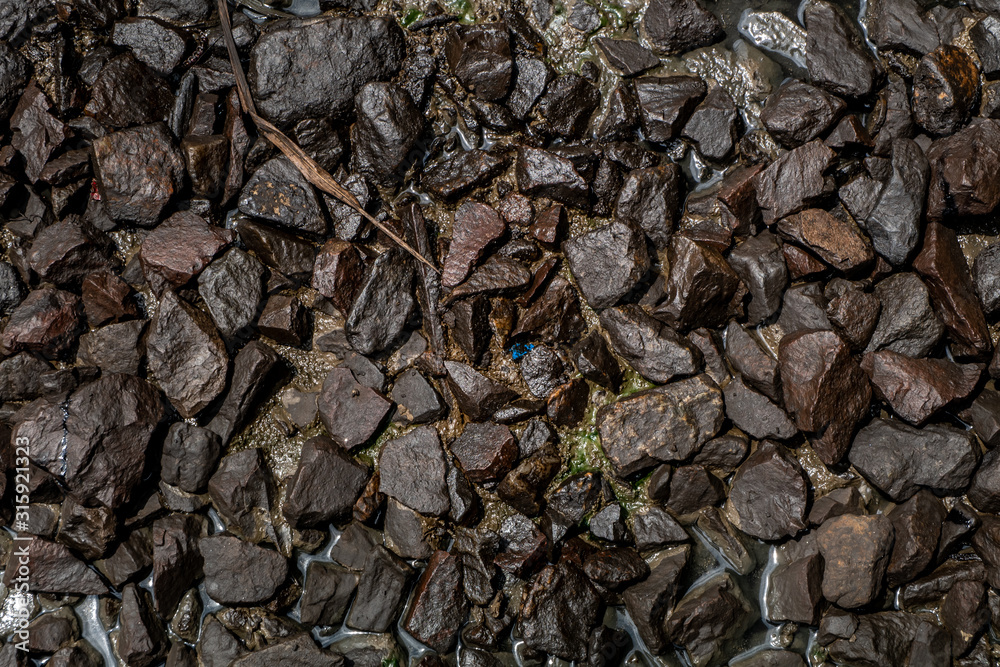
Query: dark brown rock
[
  {"x": 54, "y": 569},
  {"x": 561, "y": 607},
  {"x": 413, "y": 471},
  {"x": 540, "y": 173},
  {"x": 568, "y": 103},
  {"x": 284, "y": 320},
  {"x": 476, "y": 395},
  {"x": 327, "y": 593},
  {"x": 945, "y": 89},
  {"x": 668, "y": 423},
  {"x": 917, "y": 528},
  {"x": 47, "y": 321},
  {"x": 179, "y": 248},
  {"x": 325, "y": 485},
  {"x": 480, "y": 58},
  {"x": 698, "y": 288},
  {"x": 678, "y": 26},
  {"x": 707, "y": 617},
  {"x": 907, "y": 322},
  {"x": 760, "y": 264},
  {"x": 485, "y": 451},
  {"x": 381, "y": 591},
  {"x": 476, "y": 226},
  {"x": 824, "y": 389},
  {"x": 649, "y": 601},
  {"x": 962, "y": 180},
  {"x": 127, "y": 92},
  {"x": 794, "y": 181},
  {"x": 142, "y": 639},
  {"x": 338, "y": 273},
  {"x": 714, "y": 125},
  {"x": 836, "y": 54},
  {"x": 852, "y": 311},
  {"x": 386, "y": 133},
  {"x": 666, "y": 103},
  {"x": 384, "y": 303},
  {"x": 795, "y": 590},
  {"x": 754, "y": 414},
  {"x": 241, "y": 491},
  {"x": 916, "y": 389},
  {"x": 837, "y": 242},
  {"x": 607, "y": 262},
  {"x": 856, "y": 552},
  {"x": 351, "y": 412},
  {"x": 654, "y": 349},
  {"x": 627, "y": 57},
  {"x": 984, "y": 492},
  {"x": 797, "y": 113},
  {"x": 257, "y": 370},
  {"x": 279, "y": 193},
  {"x": 439, "y": 603},
  {"x": 769, "y": 494},
  {"x": 228, "y": 560}
]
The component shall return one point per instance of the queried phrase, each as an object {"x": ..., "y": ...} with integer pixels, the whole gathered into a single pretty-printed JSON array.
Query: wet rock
[
  {"x": 381, "y": 591},
  {"x": 417, "y": 400},
  {"x": 383, "y": 304},
  {"x": 554, "y": 317},
  {"x": 177, "y": 560},
  {"x": 485, "y": 451},
  {"x": 186, "y": 355},
  {"x": 801, "y": 263},
  {"x": 837, "y": 242},
  {"x": 179, "y": 249},
  {"x": 47, "y": 321},
  {"x": 708, "y": 616},
  {"x": 49, "y": 632},
  {"x": 301, "y": 650},
  {"x": 496, "y": 276},
  {"x": 894, "y": 222},
  {"x": 797, "y": 113},
  {"x": 986, "y": 279},
  {"x": 351, "y": 412},
  {"x": 769, "y": 494},
  {"x": 325, "y": 485},
  {"x": 945, "y": 88},
  {"x": 714, "y": 125},
  {"x": 668, "y": 423},
  {"x": 339, "y": 273},
  {"x": 228, "y": 560},
  {"x": 561, "y": 607},
  {"x": 524, "y": 546},
  {"x": 568, "y": 103},
  {"x": 413, "y": 471},
  {"x": 891, "y": 638},
  {"x": 476, "y": 395},
  {"x": 232, "y": 287},
  {"x": 794, "y": 181},
  {"x": 469, "y": 325},
  {"x": 476, "y": 226},
  {"x": 126, "y": 92},
  {"x": 678, "y": 26},
  {"x": 943, "y": 267},
  {"x": 755, "y": 414},
  {"x": 852, "y": 311},
  {"x": 760, "y": 264},
  {"x": 962, "y": 180},
  {"x": 898, "y": 459},
  {"x": 770, "y": 658},
  {"x": 622, "y": 117},
  {"x": 523, "y": 486},
  {"x": 36, "y": 132},
  {"x": 279, "y": 193},
  {"x": 439, "y": 603},
  {"x": 698, "y": 288},
  {"x": 795, "y": 590},
  {"x": 88, "y": 530},
  {"x": 983, "y": 414},
  {"x": 142, "y": 640},
  {"x": 916, "y": 389},
  {"x": 294, "y": 75},
  {"x": 130, "y": 561},
  {"x": 627, "y": 57},
  {"x": 106, "y": 297},
  {"x": 480, "y": 58},
  {"x": 189, "y": 456},
  {"x": 615, "y": 568},
  {"x": 410, "y": 534},
  {"x": 284, "y": 320},
  {"x": 217, "y": 645},
  {"x": 901, "y": 25},
  {"x": 987, "y": 45},
  {"x": 693, "y": 488},
  {"x": 984, "y": 493},
  {"x": 550, "y": 226},
  {"x": 455, "y": 175},
  {"x": 596, "y": 363},
  {"x": 649, "y": 601},
  {"x": 965, "y": 614},
  {"x": 55, "y": 570},
  {"x": 327, "y": 593},
  {"x": 607, "y": 262},
  {"x": 917, "y": 528},
  {"x": 153, "y": 42},
  {"x": 386, "y": 132},
  {"x": 907, "y": 323},
  {"x": 12, "y": 289},
  {"x": 542, "y": 370},
  {"x": 138, "y": 171},
  {"x": 610, "y": 524},
  {"x": 531, "y": 76},
  {"x": 824, "y": 389},
  {"x": 654, "y": 349},
  {"x": 666, "y": 103},
  {"x": 856, "y": 552},
  {"x": 836, "y": 54},
  {"x": 543, "y": 174},
  {"x": 257, "y": 370}
]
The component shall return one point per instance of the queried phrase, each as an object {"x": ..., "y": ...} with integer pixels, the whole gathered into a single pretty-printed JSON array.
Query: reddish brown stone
[
  {"x": 856, "y": 551},
  {"x": 106, "y": 297},
  {"x": 945, "y": 89},
  {"x": 824, "y": 389},
  {"x": 769, "y": 494},
  {"x": 550, "y": 225},
  {"x": 837, "y": 242},
  {"x": 485, "y": 451},
  {"x": 916, "y": 389},
  {"x": 179, "y": 249},
  {"x": 698, "y": 288},
  {"x": 476, "y": 226},
  {"x": 47, "y": 321},
  {"x": 964, "y": 179},
  {"x": 339, "y": 273},
  {"x": 439, "y": 603},
  {"x": 943, "y": 267},
  {"x": 801, "y": 264}
]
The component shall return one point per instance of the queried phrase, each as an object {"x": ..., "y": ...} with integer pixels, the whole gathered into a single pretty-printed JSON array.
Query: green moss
[
  {"x": 465, "y": 10},
  {"x": 370, "y": 453},
  {"x": 411, "y": 16},
  {"x": 633, "y": 383}
]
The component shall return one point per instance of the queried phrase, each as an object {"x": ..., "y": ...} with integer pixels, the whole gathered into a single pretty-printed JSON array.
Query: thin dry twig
[{"x": 315, "y": 174}]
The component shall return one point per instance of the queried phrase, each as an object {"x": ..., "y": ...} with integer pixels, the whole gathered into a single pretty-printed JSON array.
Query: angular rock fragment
[
  {"x": 607, "y": 262},
  {"x": 898, "y": 459},
  {"x": 138, "y": 171},
  {"x": 457, "y": 174},
  {"x": 279, "y": 193},
  {"x": 325, "y": 485},
  {"x": 678, "y": 26},
  {"x": 540, "y": 173},
  {"x": 126, "y": 92},
  {"x": 351, "y": 412},
  {"x": 232, "y": 287},
  {"x": 666, "y": 103},
  {"x": 918, "y": 388},
  {"x": 794, "y": 181},
  {"x": 754, "y": 414},
  {"x": 917, "y": 527},
  {"x": 439, "y": 603},
  {"x": 295, "y": 75},
  {"x": 888, "y": 637},
  {"x": 707, "y": 617},
  {"x": 480, "y": 57},
  {"x": 836, "y": 54},
  {"x": 46, "y": 321},
  {"x": 227, "y": 562},
  {"x": 795, "y": 590},
  {"x": 383, "y": 304},
  {"x": 186, "y": 355},
  {"x": 698, "y": 288},
  {"x": 485, "y": 451},
  {"x": 797, "y": 113},
  {"x": 649, "y": 601},
  {"x": 769, "y": 494},
  {"x": 894, "y": 223},
  {"x": 413, "y": 471},
  {"x": 628, "y": 57},
  {"x": 824, "y": 389},
  {"x": 257, "y": 369},
  {"x": 962, "y": 180},
  {"x": 760, "y": 264},
  {"x": 945, "y": 87},
  {"x": 54, "y": 570},
  {"x": 568, "y": 103},
  {"x": 852, "y": 311},
  {"x": 856, "y": 552},
  {"x": 837, "y": 242},
  {"x": 386, "y": 132},
  {"x": 654, "y": 349},
  {"x": 189, "y": 456},
  {"x": 381, "y": 591},
  {"x": 179, "y": 249},
  {"x": 327, "y": 593},
  {"x": 241, "y": 491},
  {"x": 476, "y": 395},
  {"x": 177, "y": 561},
  {"x": 907, "y": 323},
  {"x": 668, "y": 423},
  {"x": 714, "y": 125},
  {"x": 338, "y": 273},
  {"x": 649, "y": 199},
  {"x": 476, "y": 226},
  {"x": 284, "y": 320},
  {"x": 596, "y": 363},
  {"x": 142, "y": 639},
  {"x": 561, "y": 607}
]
